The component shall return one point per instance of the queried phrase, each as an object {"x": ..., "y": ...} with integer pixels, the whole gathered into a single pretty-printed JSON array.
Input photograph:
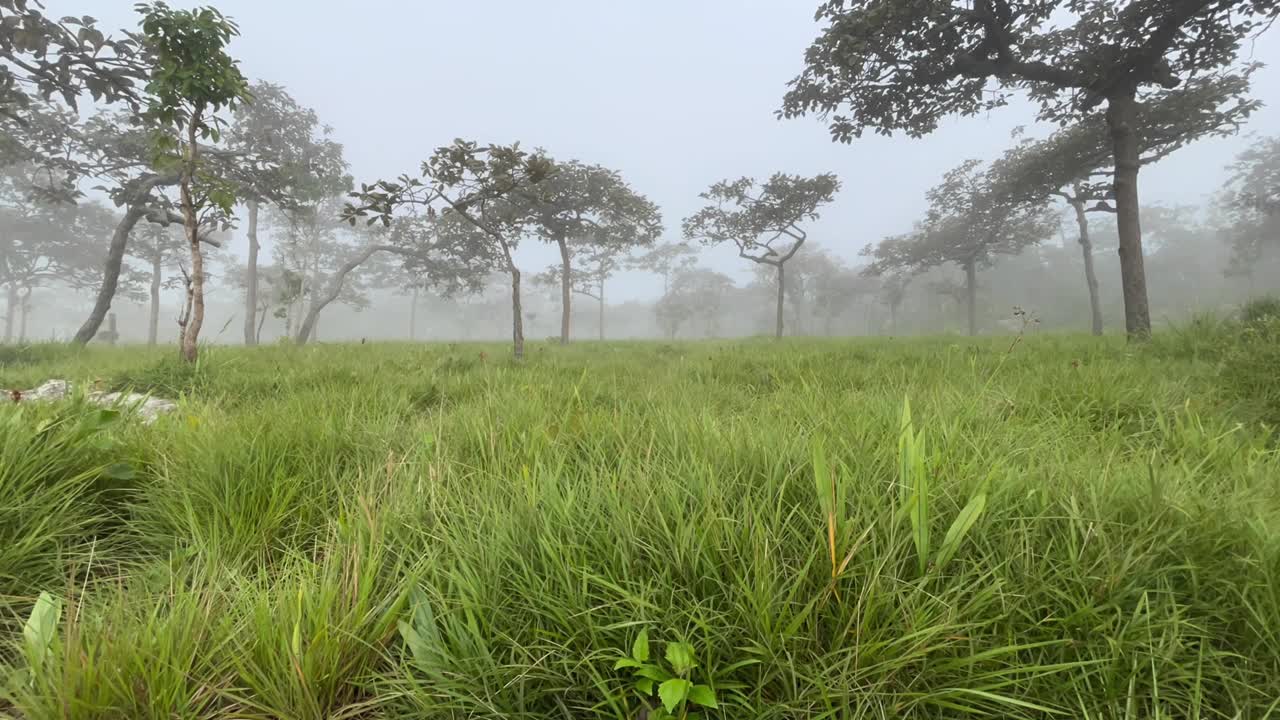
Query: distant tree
[
  {"x": 284, "y": 156},
  {"x": 488, "y": 187},
  {"x": 695, "y": 293},
  {"x": 762, "y": 220},
  {"x": 593, "y": 264},
  {"x": 1071, "y": 163},
  {"x": 162, "y": 251},
  {"x": 44, "y": 58},
  {"x": 589, "y": 208},
  {"x": 903, "y": 66},
  {"x": 43, "y": 243},
  {"x": 665, "y": 260},
  {"x": 1250, "y": 203},
  {"x": 192, "y": 78},
  {"x": 969, "y": 222}
]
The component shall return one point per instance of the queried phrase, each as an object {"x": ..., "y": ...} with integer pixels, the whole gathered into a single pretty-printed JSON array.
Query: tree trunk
[
  {"x": 153, "y": 328},
  {"x": 306, "y": 331},
  {"x": 566, "y": 289},
  {"x": 25, "y": 310},
  {"x": 971, "y": 295},
  {"x": 600, "y": 296},
  {"x": 191, "y": 330},
  {"x": 1122, "y": 119},
  {"x": 251, "y": 275},
  {"x": 262, "y": 320},
  {"x": 413, "y": 316},
  {"x": 110, "y": 275},
  {"x": 1090, "y": 275},
  {"x": 517, "y": 316},
  {"x": 781, "y": 290},
  {"x": 10, "y": 310}
]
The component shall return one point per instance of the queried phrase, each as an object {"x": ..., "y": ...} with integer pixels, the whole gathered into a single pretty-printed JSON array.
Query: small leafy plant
[{"x": 679, "y": 696}]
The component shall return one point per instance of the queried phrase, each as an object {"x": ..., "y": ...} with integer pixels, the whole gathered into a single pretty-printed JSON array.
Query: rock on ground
[{"x": 148, "y": 408}]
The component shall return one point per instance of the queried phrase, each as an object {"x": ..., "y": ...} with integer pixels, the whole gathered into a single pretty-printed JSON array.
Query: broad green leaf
[
  {"x": 645, "y": 686},
  {"x": 42, "y": 627},
  {"x": 653, "y": 672},
  {"x": 960, "y": 528},
  {"x": 626, "y": 663},
  {"x": 680, "y": 655},
  {"x": 704, "y": 696},
  {"x": 640, "y": 649},
  {"x": 673, "y": 692}
]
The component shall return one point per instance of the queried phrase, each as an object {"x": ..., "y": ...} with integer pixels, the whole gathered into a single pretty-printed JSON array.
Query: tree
[
  {"x": 1250, "y": 203},
  {"x": 694, "y": 293},
  {"x": 162, "y": 251},
  {"x": 488, "y": 187},
  {"x": 590, "y": 208},
  {"x": 593, "y": 264},
  {"x": 286, "y": 158},
  {"x": 1070, "y": 163},
  {"x": 43, "y": 58},
  {"x": 192, "y": 78},
  {"x": 665, "y": 260},
  {"x": 755, "y": 217},
  {"x": 903, "y": 66},
  {"x": 969, "y": 221}
]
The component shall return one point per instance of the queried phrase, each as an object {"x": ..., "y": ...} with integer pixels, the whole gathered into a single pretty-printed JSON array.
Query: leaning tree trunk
[
  {"x": 251, "y": 275},
  {"x": 781, "y": 290},
  {"x": 306, "y": 331},
  {"x": 110, "y": 275},
  {"x": 153, "y": 329},
  {"x": 566, "y": 289},
  {"x": 262, "y": 320},
  {"x": 971, "y": 295},
  {"x": 1090, "y": 275},
  {"x": 1122, "y": 120},
  {"x": 194, "y": 322}
]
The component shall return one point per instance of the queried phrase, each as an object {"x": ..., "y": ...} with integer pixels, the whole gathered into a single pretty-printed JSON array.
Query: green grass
[{"x": 1074, "y": 528}]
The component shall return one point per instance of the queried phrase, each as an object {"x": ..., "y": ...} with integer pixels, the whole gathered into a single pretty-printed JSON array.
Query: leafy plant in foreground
[{"x": 679, "y": 696}]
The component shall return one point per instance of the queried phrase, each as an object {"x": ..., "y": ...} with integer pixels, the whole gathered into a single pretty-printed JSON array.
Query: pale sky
[{"x": 675, "y": 94}]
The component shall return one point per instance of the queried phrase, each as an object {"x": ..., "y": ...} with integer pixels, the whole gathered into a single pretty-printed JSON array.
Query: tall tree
[
  {"x": 192, "y": 79},
  {"x": 487, "y": 187},
  {"x": 903, "y": 66},
  {"x": 762, "y": 219},
  {"x": 285, "y": 157},
  {"x": 593, "y": 263},
  {"x": 1250, "y": 205},
  {"x": 695, "y": 293},
  {"x": 1071, "y": 163},
  {"x": 969, "y": 222},
  {"x": 590, "y": 208}
]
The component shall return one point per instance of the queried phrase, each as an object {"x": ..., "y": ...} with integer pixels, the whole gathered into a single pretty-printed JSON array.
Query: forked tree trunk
[
  {"x": 306, "y": 331},
  {"x": 153, "y": 327},
  {"x": 971, "y": 295},
  {"x": 781, "y": 291},
  {"x": 251, "y": 275},
  {"x": 1122, "y": 120},
  {"x": 1090, "y": 275},
  {"x": 191, "y": 330},
  {"x": 566, "y": 289}
]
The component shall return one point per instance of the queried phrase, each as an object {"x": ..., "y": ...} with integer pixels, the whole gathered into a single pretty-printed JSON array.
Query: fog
[{"x": 674, "y": 95}]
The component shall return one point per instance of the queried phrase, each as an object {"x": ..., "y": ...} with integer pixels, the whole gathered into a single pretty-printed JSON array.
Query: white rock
[{"x": 148, "y": 408}]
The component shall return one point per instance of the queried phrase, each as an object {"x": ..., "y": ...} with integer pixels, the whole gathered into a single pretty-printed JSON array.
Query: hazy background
[{"x": 672, "y": 93}]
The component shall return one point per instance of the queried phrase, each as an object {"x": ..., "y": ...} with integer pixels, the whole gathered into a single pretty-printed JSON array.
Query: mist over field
[{"x": 652, "y": 361}]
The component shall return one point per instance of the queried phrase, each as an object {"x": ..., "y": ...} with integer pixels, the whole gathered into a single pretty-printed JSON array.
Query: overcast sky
[{"x": 675, "y": 94}]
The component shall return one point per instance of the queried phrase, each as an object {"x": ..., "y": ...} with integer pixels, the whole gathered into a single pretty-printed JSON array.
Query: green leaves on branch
[{"x": 677, "y": 693}]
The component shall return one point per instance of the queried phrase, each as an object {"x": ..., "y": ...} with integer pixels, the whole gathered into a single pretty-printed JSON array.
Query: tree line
[{"x": 179, "y": 138}]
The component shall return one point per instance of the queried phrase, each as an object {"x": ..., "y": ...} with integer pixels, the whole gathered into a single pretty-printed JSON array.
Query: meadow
[{"x": 1057, "y": 526}]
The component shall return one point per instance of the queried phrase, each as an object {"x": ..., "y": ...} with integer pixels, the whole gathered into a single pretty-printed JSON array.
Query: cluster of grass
[{"x": 1069, "y": 528}]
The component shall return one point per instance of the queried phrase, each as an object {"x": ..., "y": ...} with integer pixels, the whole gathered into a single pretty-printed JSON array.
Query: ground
[{"x": 382, "y": 531}]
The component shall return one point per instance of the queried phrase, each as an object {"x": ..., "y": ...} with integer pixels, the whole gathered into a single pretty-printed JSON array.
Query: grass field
[{"x": 1071, "y": 527}]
